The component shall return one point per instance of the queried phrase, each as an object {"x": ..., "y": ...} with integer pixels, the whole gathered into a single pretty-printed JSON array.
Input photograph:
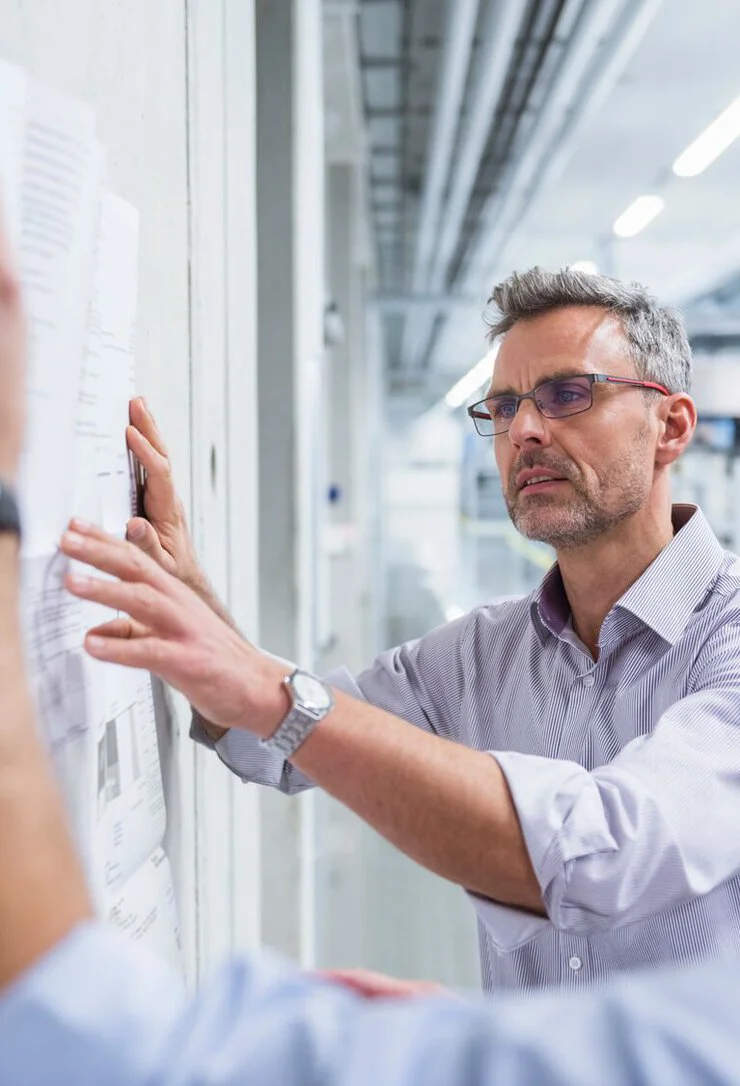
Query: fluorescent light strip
[
  {"x": 474, "y": 379},
  {"x": 638, "y": 215},
  {"x": 710, "y": 144}
]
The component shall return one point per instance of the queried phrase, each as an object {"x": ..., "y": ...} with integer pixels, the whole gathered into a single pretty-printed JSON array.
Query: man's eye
[
  {"x": 568, "y": 395},
  {"x": 504, "y": 409}
]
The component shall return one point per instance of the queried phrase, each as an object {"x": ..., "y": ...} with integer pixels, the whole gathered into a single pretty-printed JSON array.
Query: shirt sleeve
[
  {"x": 97, "y": 1010},
  {"x": 629, "y": 839},
  {"x": 421, "y": 681}
]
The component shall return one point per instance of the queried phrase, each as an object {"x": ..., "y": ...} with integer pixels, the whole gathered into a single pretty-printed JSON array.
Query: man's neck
[{"x": 596, "y": 575}]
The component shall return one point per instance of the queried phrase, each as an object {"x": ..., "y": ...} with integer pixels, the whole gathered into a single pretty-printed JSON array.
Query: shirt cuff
[
  {"x": 562, "y": 820},
  {"x": 198, "y": 732},
  {"x": 242, "y": 753}
]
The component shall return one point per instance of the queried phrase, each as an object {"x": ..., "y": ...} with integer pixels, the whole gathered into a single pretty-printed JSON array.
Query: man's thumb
[{"x": 142, "y": 534}]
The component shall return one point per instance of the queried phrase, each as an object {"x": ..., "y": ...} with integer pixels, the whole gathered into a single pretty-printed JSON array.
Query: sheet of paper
[
  {"x": 98, "y": 724},
  {"x": 144, "y": 910},
  {"x": 78, "y": 253},
  {"x": 62, "y": 178},
  {"x": 12, "y": 125},
  {"x": 129, "y": 799},
  {"x": 68, "y": 684},
  {"x": 102, "y": 478}
]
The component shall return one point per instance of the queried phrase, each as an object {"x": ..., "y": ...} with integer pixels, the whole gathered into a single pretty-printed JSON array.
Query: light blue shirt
[
  {"x": 625, "y": 771},
  {"x": 97, "y": 1012}
]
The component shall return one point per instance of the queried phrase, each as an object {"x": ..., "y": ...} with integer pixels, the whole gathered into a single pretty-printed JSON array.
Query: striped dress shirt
[{"x": 625, "y": 771}]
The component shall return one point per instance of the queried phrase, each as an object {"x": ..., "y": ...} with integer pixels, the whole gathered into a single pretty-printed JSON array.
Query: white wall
[{"x": 172, "y": 86}]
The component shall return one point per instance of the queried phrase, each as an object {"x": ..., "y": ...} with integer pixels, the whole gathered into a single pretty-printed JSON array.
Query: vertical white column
[
  {"x": 206, "y": 126},
  {"x": 221, "y": 126},
  {"x": 290, "y": 166},
  {"x": 241, "y": 421},
  {"x": 308, "y": 196}
]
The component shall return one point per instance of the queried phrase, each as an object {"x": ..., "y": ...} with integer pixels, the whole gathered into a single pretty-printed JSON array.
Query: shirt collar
[{"x": 667, "y": 593}]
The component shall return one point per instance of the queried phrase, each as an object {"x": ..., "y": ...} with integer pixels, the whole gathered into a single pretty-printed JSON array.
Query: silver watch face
[{"x": 310, "y": 692}]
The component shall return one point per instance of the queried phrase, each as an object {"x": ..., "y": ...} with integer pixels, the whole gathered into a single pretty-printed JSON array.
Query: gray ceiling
[{"x": 502, "y": 133}]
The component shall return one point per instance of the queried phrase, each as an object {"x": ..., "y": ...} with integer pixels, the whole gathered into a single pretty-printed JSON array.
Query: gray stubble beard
[{"x": 625, "y": 483}]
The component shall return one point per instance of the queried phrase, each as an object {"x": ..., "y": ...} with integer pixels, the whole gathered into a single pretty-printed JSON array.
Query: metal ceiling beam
[
  {"x": 501, "y": 25},
  {"x": 461, "y": 19},
  {"x": 584, "y": 78}
]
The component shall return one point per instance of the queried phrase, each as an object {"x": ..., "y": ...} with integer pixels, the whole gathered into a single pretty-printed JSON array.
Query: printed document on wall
[
  {"x": 77, "y": 257},
  {"x": 61, "y": 186},
  {"x": 12, "y": 131}
]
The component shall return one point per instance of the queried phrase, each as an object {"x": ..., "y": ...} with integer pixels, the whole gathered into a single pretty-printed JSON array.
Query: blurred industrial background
[{"x": 327, "y": 194}]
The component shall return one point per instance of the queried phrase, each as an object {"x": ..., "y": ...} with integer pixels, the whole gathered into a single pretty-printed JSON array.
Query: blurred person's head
[{"x": 603, "y": 455}]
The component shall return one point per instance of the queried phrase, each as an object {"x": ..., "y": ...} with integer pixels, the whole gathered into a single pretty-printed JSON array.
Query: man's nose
[{"x": 528, "y": 425}]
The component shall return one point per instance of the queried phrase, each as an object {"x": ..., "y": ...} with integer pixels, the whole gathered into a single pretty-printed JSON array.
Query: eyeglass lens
[{"x": 555, "y": 399}]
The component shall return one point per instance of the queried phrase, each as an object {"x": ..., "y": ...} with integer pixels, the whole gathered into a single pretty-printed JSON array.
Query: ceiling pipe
[
  {"x": 460, "y": 23},
  {"x": 585, "y": 78},
  {"x": 502, "y": 21},
  {"x": 459, "y": 32}
]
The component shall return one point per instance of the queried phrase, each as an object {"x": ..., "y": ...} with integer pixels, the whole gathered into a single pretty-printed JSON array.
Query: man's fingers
[
  {"x": 122, "y": 628},
  {"x": 142, "y": 602},
  {"x": 379, "y": 986},
  {"x": 142, "y": 535},
  {"x": 143, "y": 420},
  {"x": 84, "y": 527},
  {"x": 156, "y": 463},
  {"x": 114, "y": 556},
  {"x": 148, "y": 653}
]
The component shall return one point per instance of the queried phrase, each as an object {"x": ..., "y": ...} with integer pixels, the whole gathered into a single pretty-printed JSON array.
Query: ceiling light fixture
[
  {"x": 710, "y": 144},
  {"x": 638, "y": 215},
  {"x": 474, "y": 379}
]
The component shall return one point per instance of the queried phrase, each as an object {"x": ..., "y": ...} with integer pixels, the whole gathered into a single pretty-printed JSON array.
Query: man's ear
[{"x": 677, "y": 419}]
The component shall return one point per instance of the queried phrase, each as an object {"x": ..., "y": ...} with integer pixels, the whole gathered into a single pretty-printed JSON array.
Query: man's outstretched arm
[
  {"x": 42, "y": 890},
  {"x": 445, "y": 805}
]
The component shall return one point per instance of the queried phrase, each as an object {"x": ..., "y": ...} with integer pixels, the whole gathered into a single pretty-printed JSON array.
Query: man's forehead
[{"x": 569, "y": 340}]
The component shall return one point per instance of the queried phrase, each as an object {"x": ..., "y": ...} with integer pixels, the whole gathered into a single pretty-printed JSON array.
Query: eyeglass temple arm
[{"x": 632, "y": 381}]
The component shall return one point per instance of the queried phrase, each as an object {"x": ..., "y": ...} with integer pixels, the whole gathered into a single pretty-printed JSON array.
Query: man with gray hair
[{"x": 570, "y": 758}]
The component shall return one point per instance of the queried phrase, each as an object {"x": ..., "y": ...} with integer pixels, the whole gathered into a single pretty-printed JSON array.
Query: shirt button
[
  {"x": 588, "y": 680},
  {"x": 575, "y": 963}
]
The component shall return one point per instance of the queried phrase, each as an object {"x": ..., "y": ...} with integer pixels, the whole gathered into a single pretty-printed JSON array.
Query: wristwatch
[
  {"x": 10, "y": 519},
  {"x": 312, "y": 699}
]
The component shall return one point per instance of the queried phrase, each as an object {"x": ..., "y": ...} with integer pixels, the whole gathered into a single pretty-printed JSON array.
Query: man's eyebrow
[{"x": 556, "y": 375}]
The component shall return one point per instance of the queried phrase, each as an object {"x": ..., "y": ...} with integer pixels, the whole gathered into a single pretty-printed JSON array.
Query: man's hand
[
  {"x": 379, "y": 986},
  {"x": 164, "y": 536},
  {"x": 173, "y": 633},
  {"x": 12, "y": 365}
]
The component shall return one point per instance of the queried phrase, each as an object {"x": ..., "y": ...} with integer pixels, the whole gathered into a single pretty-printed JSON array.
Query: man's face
[{"x": 599, "y": 463}]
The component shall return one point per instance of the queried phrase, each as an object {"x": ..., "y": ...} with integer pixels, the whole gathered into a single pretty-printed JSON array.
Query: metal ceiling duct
[
  {"x": 501, "y": 24},
  {"x": 461, "y": 20},
  {"x": 600, "y": 47}
]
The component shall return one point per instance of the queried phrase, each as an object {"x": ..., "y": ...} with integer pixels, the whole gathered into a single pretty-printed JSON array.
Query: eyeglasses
[{"x": 556, "y": 399}]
